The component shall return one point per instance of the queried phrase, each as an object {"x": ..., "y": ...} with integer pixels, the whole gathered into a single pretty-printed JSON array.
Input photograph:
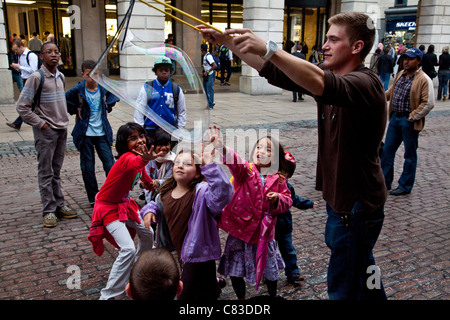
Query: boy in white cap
[{"x": 162, "y": 96}]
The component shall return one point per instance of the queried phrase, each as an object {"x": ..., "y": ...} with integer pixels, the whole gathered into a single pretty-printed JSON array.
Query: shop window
[
  {"x": 111, "y": 29},
  {"x": 24, "y": 18},
  {"x": 223, "y": 15}
]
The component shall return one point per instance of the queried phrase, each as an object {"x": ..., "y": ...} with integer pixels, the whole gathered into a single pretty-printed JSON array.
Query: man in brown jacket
[{"x": 411, "y": 98}]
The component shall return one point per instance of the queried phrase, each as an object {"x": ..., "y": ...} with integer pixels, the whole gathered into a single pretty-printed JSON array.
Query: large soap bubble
[{"x": 135, "y": 86}]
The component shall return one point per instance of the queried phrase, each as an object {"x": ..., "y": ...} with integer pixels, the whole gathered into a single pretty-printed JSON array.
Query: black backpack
[
  {"x": 37, "y": 95},
  {"x": 216, "y": 60},
  {"x": 40, "y": 62}
]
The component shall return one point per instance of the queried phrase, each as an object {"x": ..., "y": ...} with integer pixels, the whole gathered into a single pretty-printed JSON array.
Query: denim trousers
[
  {"x": 208, "y": 84},
  {"x": 87, "y": 162},
  {"x": 385, "y": 77},
  {"x": 400, "y": 130},
  {"x": 288, "y": 253},
  {"x": 225, "y": 65},
  {"x": 351, "y": 242},
  {"x": 19, "y": 81},
  {"x": 443, "y": 77},
  {"x": 128, "y": 254},
  {"x": 50, "y": 148}
]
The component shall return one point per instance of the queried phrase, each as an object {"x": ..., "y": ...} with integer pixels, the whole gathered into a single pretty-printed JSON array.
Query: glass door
[{"x": 49, "y": 20}]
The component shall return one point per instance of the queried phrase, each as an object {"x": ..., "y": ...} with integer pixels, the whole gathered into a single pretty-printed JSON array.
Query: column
[
  {"x": 188, "y": 39},
  {"x": 6, "y": 83},
  {"x": 433, "y": 24},
  {"x": 147, "y": 25},
  {"x": 369, "y": 7},
  {"x": 265, "y": 18}
]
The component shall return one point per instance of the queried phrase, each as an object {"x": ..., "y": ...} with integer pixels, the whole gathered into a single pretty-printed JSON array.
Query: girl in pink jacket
[{"x": 249, "y": 219}]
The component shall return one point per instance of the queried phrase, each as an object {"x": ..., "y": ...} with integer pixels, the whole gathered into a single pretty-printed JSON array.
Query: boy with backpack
[
  {"x": 163, "y": 96},
  {"x": 28, "y": 63},
  {"x": 226, "y": 58},
  {"x": 210, "y": 66}
]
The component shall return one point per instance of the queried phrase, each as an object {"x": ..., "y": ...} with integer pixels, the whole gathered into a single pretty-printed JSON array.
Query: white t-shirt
[{"x": 208, "y": 60}]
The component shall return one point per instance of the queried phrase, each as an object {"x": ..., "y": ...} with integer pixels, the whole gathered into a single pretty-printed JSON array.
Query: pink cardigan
[{"x": 242, "y": 217}]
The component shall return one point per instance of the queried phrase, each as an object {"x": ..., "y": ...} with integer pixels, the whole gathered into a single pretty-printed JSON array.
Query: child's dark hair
[
  {"x": 154, "y": 276},
  {"x": 124, "y": 133},
  {"x": 171, "y": 183},
  {"x": 161, "y": 138},
  {"x": 87, "y": 64}
]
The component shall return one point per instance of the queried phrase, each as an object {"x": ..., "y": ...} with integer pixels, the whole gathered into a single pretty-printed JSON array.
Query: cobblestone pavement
[{"x": 412, "y": 250}]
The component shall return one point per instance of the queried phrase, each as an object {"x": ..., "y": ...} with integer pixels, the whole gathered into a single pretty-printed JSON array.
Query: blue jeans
[
  {"x": 288, "y": 253},
  {"x": 19, "y": 81},
  {"x": 283, "y": 235},
  {"x": 87, "y": 162},
  {"x": 351, "y": 254},
  {"x": 443, "y": 78},
  {"x": 208, "y": 84},
  {"x": 400, "y": 130},
  {"x": 385, "y": 77}
]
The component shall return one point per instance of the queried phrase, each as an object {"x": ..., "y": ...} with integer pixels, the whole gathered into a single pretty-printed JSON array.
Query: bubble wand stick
[
  {"x": 187, "y": 15},
  {"x": 170, "y": 15}
]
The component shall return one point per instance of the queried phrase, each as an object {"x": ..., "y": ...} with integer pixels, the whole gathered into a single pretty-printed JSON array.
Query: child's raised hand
[
  {"x": 208, "y": 154},
  {"x": 148, "y": 155},
  {"x": 215, "y": 137}
]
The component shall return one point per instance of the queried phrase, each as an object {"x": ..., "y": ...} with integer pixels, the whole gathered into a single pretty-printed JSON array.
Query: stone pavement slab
[{"x": 412, "y": 251}]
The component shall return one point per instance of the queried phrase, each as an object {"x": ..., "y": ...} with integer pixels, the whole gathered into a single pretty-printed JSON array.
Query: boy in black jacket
[{"x": 283, "y": 228}]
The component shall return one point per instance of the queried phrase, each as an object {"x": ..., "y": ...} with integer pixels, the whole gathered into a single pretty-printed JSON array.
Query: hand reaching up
[
  {"x": 146, "y": 154},
  {"x": 208, "y": 154},
  {"x": 215, "y": 138}
]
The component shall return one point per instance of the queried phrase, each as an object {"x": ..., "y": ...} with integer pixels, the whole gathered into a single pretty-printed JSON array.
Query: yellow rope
[{"x": 170, "y": 15}]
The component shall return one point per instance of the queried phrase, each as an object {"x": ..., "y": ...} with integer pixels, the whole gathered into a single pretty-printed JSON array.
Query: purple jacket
[{"x": 202, "y": 241}]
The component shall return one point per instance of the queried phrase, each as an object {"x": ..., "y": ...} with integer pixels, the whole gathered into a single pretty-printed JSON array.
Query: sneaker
[
  {"x": 227, "y": 83},
  {"x": 49, "y": 220},
  {"x": 66, "y": 212},
  {"x": 296, "y": 277}
]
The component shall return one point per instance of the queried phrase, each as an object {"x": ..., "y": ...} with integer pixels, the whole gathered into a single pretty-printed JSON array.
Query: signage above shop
[{"x": 410, "y": 25}]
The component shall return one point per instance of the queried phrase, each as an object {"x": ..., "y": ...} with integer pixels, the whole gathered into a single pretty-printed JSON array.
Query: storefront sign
[{"x": 411, "y": 25}]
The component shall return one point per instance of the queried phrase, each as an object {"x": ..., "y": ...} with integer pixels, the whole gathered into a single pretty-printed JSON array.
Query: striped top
[{"x": 52, "y": 108}]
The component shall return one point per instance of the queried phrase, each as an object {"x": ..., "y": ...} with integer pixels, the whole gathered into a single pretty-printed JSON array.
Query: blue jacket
[
  {"x": 161, "y": 102},
  {"x": 284, "y": 222},
  {"x": 202, "y": 241},
  {"x": 75, "y": 98}
]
